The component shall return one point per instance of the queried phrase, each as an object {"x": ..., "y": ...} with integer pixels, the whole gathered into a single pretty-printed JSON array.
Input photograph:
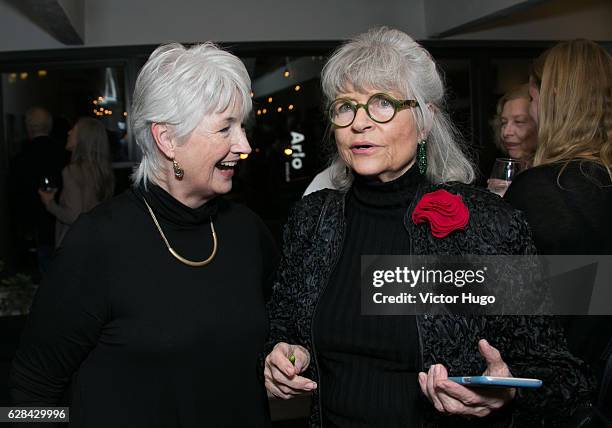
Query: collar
[{"x": 170, "y": 210}]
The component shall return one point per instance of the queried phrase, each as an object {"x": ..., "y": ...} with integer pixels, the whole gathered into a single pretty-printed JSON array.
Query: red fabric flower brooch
[{"x": 443, "y": 211}]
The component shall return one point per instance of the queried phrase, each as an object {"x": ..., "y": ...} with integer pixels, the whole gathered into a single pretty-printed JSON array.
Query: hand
[
  {"x": 46, "y": 197},
  {"x": 498, "y": 186},
  {"x": 451, "y": 398},
  {"x": 282, "y": 377}
]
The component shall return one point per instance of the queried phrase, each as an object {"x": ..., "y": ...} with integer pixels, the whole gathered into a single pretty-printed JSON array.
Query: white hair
[
  {"x": 179, "y": 86},
  {"x": 389, "y": 60}
]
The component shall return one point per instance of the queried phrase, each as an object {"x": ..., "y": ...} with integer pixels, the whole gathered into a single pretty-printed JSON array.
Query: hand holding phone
[
  {"x": 453, "y": 398},
  {"x": 497, "y": 381}
]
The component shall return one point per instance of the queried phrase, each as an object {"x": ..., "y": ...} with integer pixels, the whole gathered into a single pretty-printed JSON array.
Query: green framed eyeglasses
[{"x": 380, "y": 107}]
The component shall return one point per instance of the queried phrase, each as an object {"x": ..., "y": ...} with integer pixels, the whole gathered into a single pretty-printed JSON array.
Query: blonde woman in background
[
  {"x": 87, "y": 180},
  {"x": 571, "y": 174},
  {"x": 567, "y": 195}
]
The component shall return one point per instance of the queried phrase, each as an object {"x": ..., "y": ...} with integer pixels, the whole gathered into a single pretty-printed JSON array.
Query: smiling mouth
[{"x": 226, "y": 165}]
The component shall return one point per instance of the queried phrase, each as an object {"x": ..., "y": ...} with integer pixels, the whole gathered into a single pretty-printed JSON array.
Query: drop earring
[
  {"x": 178, "y": 171},
  {"x": 422, "y": 157}
]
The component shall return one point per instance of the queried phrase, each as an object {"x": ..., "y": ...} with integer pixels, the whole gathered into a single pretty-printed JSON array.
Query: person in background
[
  {"x": 516, "y": 131},
  {"x": 39, "y": 159},
  {"x": 404, "y": 158},
  {"x": 567, "y": 195},
  {"x": 155, "y": 301},
  {"x": 87, "y": 180}
]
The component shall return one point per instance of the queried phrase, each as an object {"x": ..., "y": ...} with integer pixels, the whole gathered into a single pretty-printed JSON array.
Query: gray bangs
[
  {"x": 363, "y": 68},
  {"x": 223, "y": 90},
  {"x": 228, "y": 93}
]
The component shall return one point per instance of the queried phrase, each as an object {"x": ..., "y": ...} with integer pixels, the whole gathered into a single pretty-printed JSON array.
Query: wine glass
[
  {"x": 48, "y": 184},
  {"x": 502, "y": 174}
]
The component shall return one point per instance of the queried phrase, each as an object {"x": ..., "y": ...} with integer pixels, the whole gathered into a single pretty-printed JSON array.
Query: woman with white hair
[
  {"x": 404, "y": 191},
  {"x": 155, "y": 303}
]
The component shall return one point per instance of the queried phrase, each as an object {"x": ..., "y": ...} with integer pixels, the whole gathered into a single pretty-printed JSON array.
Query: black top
[
  {"x": 368, "y": 364},
  {"x": 568, "y": 213},
  {"x": 153, "y": 342},
  {"x": 533, "y": 347}
]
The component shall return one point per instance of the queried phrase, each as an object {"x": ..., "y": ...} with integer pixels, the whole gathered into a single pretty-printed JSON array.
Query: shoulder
[
  {"x": 239, "y": 214},
  {"x": 114, "y": 209},
  {"x": 489, "y": 214},
  {"x": 323, "y": 206},
  {"x": 106, "y": 223},
  {"x": 73, "y": 173},
  {"x": 536, "y": 176},
  {"x": 313, "y": 204},
  {"x": 477, "y": 199},
  {"x": 69, "y": 171},
  {"x": 559, "y": 178},
  {"x": 316, "y": 200},
  {"x": 572, "y": 171}
]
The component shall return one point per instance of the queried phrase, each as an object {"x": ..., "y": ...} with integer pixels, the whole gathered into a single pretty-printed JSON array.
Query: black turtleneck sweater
[
  {"x": 152, "y": 342},
  {"x": 368, "y": 364}
]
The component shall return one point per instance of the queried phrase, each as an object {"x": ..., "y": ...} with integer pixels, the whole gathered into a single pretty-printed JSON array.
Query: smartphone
[{"x": 497, "y": 382}]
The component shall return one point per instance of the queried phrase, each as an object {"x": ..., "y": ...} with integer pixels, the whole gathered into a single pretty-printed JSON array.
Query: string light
[
  {"x": 125, "y": 114},
  {"x": 286, "y": 73},
  {"x": 288, "y": 152},
  {"x": 23, "y": 75},
  {"x": 258, "y": 112},
  {"x": 12, "y": 78},
  {"x": 243, "y": 156},
  {"x": 290, "y": 107},
  {"x": 297, "y": 88},
  {"x": 42, "y": 73},
  {"x": 264, "y": 111},
  {"x": 95, "y": 102},
  {"x": 279, "y": 109},
  {"x": 269, "y": 99}
]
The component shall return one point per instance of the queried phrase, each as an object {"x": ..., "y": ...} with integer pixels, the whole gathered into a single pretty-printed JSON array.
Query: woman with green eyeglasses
[{"x": 404, "y": 190}]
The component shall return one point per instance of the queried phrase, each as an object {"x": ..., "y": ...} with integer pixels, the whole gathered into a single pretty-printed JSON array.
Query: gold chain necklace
[{"x": 177, "y": 255}]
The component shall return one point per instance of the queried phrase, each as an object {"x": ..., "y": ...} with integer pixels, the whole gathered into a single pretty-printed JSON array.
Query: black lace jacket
[{"x": 531, "y": 346}]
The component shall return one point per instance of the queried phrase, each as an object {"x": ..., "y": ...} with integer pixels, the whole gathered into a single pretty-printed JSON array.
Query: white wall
[
  {"x": 438, "y": 18},
  {"x": 136, "y": 22},
  {"x": 551, "y": 20},
  {"x": 18, "y": 33},
  {"x": 75, "y": 11}
]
